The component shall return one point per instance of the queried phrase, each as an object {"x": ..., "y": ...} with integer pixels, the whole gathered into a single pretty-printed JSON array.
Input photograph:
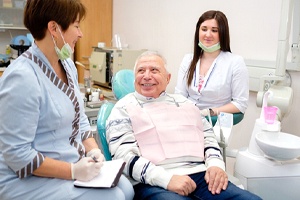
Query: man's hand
[
  {"x": 217, "y": 179},
  {"x": 182, "y": 185}
]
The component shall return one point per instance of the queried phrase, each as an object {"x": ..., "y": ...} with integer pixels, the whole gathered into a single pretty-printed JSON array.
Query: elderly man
[{"x": 171, "y": 152}]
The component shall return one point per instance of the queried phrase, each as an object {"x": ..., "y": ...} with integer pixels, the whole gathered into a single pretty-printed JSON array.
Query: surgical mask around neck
[
  {"x": 210, "y": 49},
  {"x": 65, "y": 52}
]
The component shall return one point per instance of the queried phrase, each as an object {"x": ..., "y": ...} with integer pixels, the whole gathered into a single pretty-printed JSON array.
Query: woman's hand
[
  {"x": 96, "y": 153},
  {"x": 85, "y": 169}
]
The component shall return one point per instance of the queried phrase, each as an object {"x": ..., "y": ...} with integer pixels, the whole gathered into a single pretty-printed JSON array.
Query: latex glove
[
  {"x": 204, "y": 112},
  {"x": 85, "y": 169},
  {"x": 97, "y": 154}
]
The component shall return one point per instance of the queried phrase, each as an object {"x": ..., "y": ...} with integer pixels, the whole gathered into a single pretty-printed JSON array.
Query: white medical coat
[{"x": 226, "y": 81}]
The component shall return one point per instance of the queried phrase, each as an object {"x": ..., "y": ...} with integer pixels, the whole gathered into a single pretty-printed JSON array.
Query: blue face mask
[
  {"x": 210, "y": 49},
  {"x": 66, "y": 51}
]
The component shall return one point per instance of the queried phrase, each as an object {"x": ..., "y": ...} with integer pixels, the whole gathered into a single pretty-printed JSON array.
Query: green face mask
[
  {"x": 210, "y": 49},
  {"x": 65, "y": 52}
]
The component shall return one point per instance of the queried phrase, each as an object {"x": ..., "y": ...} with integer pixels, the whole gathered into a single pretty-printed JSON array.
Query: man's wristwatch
[{"x": 211, "y": 112}]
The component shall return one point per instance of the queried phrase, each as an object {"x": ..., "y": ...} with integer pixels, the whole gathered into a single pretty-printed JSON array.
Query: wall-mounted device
[
  {"x": 264, "y": 74},
  {"x": 105, "y": 62}
]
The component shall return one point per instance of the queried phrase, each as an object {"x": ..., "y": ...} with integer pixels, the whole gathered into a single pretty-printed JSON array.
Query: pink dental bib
[{"x": 164, "y": 131}]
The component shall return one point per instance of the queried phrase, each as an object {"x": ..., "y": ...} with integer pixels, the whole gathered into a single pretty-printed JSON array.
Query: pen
[{"x": 94, "y": 158}]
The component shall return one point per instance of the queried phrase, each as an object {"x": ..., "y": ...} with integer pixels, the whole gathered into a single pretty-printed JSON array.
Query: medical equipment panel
[{"x": 105, "y": 62}]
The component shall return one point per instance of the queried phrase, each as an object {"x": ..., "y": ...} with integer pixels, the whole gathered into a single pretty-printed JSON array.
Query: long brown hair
[{"x": 223, "y": 35}]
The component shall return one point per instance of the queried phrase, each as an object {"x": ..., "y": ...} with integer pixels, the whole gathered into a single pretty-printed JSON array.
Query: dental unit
[{"x": 270, "y": 165}]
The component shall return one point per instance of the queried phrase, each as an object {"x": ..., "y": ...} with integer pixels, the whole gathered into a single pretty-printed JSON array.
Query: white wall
[{"x": 168, "y": 26}]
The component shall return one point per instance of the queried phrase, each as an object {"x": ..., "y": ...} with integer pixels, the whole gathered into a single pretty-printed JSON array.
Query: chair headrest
[{"x": 123, "y": 83}]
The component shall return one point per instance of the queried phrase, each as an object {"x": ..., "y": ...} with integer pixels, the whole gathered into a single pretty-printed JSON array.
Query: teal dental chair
[
  {"x": 122, "y": 84},
  {"x": 101, "y": 127}
]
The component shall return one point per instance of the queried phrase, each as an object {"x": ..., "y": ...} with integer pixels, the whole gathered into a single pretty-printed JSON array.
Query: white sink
[{"x": 278, "y": 145}]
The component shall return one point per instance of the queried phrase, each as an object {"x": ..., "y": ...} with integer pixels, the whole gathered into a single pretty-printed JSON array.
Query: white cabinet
[{"x": 11, "y": 14}]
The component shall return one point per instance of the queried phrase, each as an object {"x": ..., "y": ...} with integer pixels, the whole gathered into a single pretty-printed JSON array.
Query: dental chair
[{"x": 122, "y": 84}]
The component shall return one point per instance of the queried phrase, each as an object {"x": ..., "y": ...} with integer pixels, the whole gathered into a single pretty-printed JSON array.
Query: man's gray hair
[{"x": 151, "y": 53}]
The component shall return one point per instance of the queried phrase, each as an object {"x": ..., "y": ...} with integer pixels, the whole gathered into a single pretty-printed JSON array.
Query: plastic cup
[{"x": 270, "y": 114}]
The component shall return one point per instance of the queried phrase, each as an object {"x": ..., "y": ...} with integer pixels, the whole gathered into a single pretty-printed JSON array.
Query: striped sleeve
[
  {"x": 30, "y": 167},
  {"x": 212, "y": 151},
  {"x": 87, "y": 134}
]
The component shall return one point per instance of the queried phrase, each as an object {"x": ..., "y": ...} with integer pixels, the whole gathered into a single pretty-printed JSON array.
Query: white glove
[
  {"x": 85, "y": 169},
  {"x": 97, "y": 154},
  {"x": 204, "y": 112}
]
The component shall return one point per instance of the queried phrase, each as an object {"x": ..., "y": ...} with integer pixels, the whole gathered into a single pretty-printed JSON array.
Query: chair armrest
[
  {"x": 237, "y": 118},
  {"x": 103, "y": 114}
]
